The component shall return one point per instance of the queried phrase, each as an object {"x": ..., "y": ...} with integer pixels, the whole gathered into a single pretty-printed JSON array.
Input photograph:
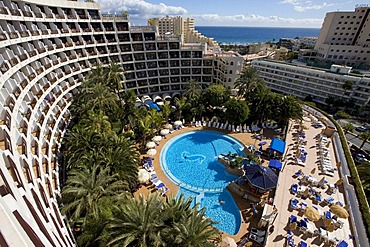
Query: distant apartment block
[
  {"x": 345, "y": 38},
  {"x": 299, "y": 43},
  {"x": 303, "y": 81},
  {"x": 181, "y": 26}
]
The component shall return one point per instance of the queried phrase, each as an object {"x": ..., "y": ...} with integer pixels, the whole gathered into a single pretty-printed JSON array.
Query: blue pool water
[{"x": 190, "y": 160}]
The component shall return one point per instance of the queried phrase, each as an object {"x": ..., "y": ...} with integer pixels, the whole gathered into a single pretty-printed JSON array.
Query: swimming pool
[{"x": 190, "y": 160}]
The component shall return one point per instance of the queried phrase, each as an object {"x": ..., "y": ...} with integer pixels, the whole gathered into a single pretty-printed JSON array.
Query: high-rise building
[
  {"x": 46, "y": 50},
  {"x": 345, "y": 38}
]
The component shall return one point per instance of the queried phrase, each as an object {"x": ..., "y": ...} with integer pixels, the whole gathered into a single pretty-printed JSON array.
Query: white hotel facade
[
  {"x": 303, "y": 81},
  {"x": 46, "y": 50}
]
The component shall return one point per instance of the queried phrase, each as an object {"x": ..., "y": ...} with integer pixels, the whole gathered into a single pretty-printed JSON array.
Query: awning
[
  {"x": 275, "y": 164},
  {"x": 154, "y": 106},
  {"x": 277, "y": 145}
]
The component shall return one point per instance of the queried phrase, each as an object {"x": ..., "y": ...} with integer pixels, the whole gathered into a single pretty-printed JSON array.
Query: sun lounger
[
  {"x": 294, "y": 203},
  {"x": 300, "y": 162},
  {"x": 160, "y": 186},
  {"x": 329, "y": 200},
  {"x": 243, "y": 242},
  {"x": 157, "y": 182},
  {"x": 342, "y": 243},
  {"x": 214, "y": 124},
  {"x": 222, "y": 126},
  {"x": 294, "y": 189},
  {"x": 303, "y": 206},
  {"x": 209, "y": 124},
  {"x": 293, "y": 219},
  {"x": 149, "y": 167},
  {"x": 225, "y": 126},
  {"x": 237, "y": 129},
  {"x": 257, "y": 232},
  {"x": 153, "y": 177},
  {"x": 298, "y": 174},
  {"x": 302, "y": 244},
  {"x": 256, "y": 238},
  {"x": 327, "y": 215}
]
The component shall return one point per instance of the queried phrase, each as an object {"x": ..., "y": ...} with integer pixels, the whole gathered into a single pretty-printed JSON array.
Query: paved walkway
[{"x": 287, "y": 178}]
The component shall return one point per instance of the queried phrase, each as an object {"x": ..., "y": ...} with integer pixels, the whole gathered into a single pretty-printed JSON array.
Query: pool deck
[
  {"x": 244, "y": 205},
  {"x": 283, "y": 194}
]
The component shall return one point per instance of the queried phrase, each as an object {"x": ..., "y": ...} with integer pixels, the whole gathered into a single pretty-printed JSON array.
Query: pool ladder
[{"x": 199, "y": 197}]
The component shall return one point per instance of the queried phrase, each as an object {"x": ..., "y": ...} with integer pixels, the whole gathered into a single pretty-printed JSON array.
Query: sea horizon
[{"x": 249, "y": 35}]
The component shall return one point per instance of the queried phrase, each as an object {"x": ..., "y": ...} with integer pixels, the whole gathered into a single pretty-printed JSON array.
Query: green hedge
[{"x": 365, "y": 210}]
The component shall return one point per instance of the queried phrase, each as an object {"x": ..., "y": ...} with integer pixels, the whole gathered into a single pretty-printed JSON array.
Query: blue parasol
[{"x": 261, "y": 177}]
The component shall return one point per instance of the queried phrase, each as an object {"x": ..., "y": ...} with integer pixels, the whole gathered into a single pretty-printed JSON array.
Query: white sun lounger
[
  {"x": 209, "y": 124},
  {"x": 222, "y": 126},
  {"x": 225, "y": 126}
]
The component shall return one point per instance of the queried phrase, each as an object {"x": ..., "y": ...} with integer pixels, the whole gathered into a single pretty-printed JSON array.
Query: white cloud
[
  {"x": 140, "y": 11},
  {"x": 302, "y": 6},
  {"x": 140, "y": 8},
  {"x": 254, "y": 20}
]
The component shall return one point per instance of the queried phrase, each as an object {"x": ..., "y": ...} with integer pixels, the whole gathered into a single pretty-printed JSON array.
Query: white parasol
[
  {"x": 157, "y": 138},
  {"x": 143, "y": 176},
  {"x": 168, "y": 126},
  {"x": 165, "y": 132},
  {"x": 177, "y": 123},
  {"x": 150, "y": 145},
  {"x": 151, "y": 152}
]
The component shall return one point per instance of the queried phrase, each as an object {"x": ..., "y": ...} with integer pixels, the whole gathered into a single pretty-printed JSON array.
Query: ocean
[{"x": 247, "y": 35}]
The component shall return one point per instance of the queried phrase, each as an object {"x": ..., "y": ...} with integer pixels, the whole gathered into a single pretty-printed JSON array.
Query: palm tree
[
  {"x": 180, "y": 104},
  {"x": 99, "y": 96},
  {"x": 144, "y": 126},
  {"x": 193, "y": 229},
  {"x": 348, "y": 127},
  {"x": 364, "y": 136},
  {"x": 347, "y": 86},
  {"x": 156, "y": 119},
  {"x": 166, "y": 110},
  {"x": 194, "y": 90},
  {"x": 364, "y": 173},
  {"x": 288, "y": 108},
  {"x": 85, "y": 190},
  {"x": 79, "y": 142},
  {"x": 97, "y": 122},
  {"x": 187, "y": 226},
  {"x": 197, "y": 111},
  {"x": 122, "y": 156},
  {"x": 249, "y": 82},
  {"x": 136, "y": 222},
  {"x": 115, "y": 78}
]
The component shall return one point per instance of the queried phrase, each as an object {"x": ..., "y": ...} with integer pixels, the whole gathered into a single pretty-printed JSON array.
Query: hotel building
[
  {"x": 345, "y": 38},
  {"x": 303, "y": 81},
  {"x": 46, "y": 50},
  {"x": 181, "y": 26}
]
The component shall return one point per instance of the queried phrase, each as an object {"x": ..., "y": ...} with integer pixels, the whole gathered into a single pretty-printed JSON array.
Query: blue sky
[{"x": 257, "y": 13}]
